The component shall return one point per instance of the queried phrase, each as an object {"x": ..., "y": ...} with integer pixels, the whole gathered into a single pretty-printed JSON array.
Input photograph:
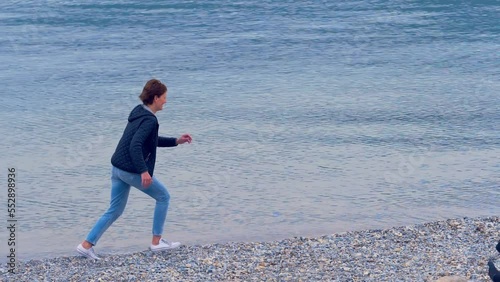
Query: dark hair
[{"x": 153, "y": 88}]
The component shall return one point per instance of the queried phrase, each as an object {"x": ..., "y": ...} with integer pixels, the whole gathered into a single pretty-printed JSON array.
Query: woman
[{"x": 133, "y": 165}]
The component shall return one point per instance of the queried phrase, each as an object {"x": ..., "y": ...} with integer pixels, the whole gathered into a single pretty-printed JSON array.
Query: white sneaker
[
  {"x": 88, "y": 253},
  {"x": 164, "y": 245}
]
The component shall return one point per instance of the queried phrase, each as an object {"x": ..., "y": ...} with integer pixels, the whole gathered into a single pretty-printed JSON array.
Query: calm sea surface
[{"x": 308, "y": 118}]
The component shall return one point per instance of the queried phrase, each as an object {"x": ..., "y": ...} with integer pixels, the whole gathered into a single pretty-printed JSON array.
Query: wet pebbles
[{"x": 424, "y": 252}]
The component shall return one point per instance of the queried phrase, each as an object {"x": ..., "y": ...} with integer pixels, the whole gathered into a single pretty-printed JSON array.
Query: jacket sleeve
[
  {"x": 137, "y": 143},
  {"x": 167, "y": 141}
]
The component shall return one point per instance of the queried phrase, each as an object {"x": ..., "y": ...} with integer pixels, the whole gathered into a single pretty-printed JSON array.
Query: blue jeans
[{"x": 121, "y": 181}]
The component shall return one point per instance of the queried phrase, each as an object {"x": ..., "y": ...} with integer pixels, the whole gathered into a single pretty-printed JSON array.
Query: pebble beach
[{"x": 450, "y": 250}]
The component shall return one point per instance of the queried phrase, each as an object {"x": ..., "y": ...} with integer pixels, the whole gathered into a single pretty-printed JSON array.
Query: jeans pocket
[{"x": 131, "y": 179}]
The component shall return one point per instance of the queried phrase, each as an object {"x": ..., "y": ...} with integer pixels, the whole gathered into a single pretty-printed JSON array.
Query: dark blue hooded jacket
[{"x": 136, "y": 151}]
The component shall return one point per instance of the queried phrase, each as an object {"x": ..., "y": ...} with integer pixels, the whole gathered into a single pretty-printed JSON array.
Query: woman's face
[{"x": 160, "y": 101}]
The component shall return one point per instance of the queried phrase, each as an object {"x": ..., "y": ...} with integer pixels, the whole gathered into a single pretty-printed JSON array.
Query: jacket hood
[{"x": 139, "y": 112}]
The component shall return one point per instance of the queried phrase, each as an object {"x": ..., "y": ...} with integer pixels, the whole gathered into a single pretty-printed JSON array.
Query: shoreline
[{"x": 419, "y": 252}]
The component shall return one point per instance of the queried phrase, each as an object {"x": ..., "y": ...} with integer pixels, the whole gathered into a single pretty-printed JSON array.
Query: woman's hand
[
  {"x": 183, "y": 139},
  {"x": 146, "y": 179}
]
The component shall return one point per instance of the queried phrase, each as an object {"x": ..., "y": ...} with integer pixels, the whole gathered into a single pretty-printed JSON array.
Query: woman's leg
[
  {"x": 159, "y": 192},
  {"x": 119, "y": 196}
]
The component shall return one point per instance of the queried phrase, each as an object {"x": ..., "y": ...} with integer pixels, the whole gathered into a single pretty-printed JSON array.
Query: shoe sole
[{"x": 164, "y": 249}]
